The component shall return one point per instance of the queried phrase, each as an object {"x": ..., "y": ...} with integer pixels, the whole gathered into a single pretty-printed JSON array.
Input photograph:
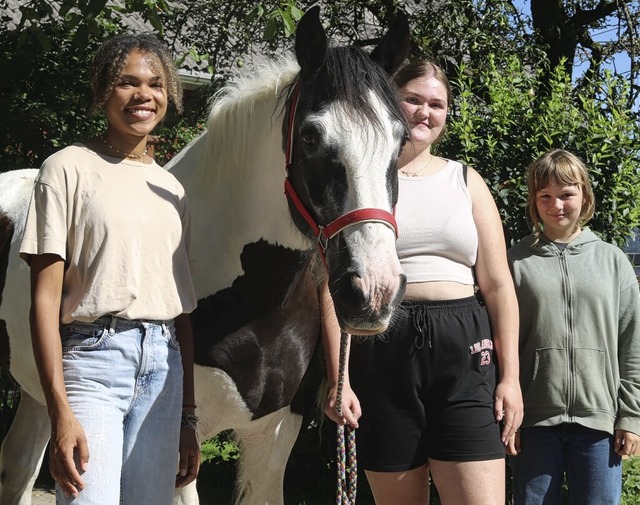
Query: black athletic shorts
[{"x": 426, "y": 388}]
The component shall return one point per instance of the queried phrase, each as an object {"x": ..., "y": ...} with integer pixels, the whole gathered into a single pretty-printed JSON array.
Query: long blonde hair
[{"x": 561, "y": 168}]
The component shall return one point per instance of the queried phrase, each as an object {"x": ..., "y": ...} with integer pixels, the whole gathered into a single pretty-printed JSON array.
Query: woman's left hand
[
  {"x": 508, "y": 408},
  {"x": 189, "y": 457},
  {"x": 627, "y": 443}
]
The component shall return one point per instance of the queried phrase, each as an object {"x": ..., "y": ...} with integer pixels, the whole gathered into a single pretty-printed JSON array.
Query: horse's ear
[
  {"x": 394, "y": 46},
  {"x": 311, "y": 41}
]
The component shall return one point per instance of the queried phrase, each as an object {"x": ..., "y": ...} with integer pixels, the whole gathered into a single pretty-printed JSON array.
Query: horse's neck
[{"x": 233, "y": 176}]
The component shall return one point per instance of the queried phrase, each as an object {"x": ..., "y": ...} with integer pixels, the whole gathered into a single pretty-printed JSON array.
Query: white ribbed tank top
[{"x": 438, "y": 239}]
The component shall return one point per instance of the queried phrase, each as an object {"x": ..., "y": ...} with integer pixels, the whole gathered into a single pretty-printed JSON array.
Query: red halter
[{"x": 325, "y": 233}]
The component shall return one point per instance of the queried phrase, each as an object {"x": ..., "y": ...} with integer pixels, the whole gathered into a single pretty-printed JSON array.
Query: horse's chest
[{"x": 263, "y": 329}]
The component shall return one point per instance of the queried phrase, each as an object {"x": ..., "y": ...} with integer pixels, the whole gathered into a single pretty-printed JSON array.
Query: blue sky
[{"x": 621, "y": 64}]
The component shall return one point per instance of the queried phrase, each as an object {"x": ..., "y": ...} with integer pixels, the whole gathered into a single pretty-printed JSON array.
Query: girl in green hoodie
[{"x": 579, "y": 345}]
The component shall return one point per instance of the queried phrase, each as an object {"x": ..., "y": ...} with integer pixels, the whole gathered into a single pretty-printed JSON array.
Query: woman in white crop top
[
  {"x": 107, "y": 242},
  {"x": 438, "y": 393}
]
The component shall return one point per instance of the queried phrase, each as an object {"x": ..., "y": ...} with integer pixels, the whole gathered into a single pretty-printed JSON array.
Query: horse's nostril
[
  {"x": 359, "y": 288},
  {"x": 351, "y": 296}
]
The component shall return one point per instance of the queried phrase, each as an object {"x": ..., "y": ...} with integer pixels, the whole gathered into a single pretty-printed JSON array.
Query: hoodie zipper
[{"x": 568, "y": 314}]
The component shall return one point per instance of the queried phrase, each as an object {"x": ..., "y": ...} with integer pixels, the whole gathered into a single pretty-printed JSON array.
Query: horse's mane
[
  {"x": 246, "y": 111},
  {"x": 261, "y": 81},
  {"x": 242, "y": 110}
]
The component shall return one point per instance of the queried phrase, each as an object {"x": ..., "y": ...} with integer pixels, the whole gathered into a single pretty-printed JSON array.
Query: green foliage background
[
  {"x": 510, "y": 104},
  {"x": 501, "y": 122}
]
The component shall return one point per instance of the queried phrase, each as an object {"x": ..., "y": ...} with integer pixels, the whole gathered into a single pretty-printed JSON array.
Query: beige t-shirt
[{"x": 122, "y": 228}]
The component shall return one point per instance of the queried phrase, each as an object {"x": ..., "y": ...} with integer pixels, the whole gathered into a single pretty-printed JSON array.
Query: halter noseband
[{"x": 325, "y": 233}]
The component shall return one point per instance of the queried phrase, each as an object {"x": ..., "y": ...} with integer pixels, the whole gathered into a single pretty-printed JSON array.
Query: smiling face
[
  {"x": 425, "y": 103},
  {"x": 139, "y": 100},
  {"x": 561, "y": 198},
  {"x": 560, "y": 209}
]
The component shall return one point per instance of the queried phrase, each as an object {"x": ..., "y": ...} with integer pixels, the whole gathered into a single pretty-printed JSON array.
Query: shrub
[{"x": 504, "y": 118}]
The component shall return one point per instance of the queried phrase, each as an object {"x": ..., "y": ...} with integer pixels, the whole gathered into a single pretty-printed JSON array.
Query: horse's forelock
[{"x": 350, "y": 75}]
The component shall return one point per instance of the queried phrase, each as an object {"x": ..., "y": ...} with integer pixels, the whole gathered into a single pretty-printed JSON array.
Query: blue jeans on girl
[
  {"x": 124, "y": 384},
  {"x": 593, "y": 470}
]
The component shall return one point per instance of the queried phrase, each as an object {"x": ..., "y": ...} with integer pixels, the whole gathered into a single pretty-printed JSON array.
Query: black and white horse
[{"x": 329, "y": 127}]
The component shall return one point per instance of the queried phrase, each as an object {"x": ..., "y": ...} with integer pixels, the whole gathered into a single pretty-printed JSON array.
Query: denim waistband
[{"x": 119, "y": 322}]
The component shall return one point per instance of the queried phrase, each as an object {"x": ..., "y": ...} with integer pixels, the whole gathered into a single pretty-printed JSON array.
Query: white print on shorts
[{"x": 485, "y": 346}]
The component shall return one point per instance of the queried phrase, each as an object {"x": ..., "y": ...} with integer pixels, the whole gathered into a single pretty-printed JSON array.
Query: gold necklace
[
  {"x": 126, "y": 155},
  {"x": 417, "y": 172}
]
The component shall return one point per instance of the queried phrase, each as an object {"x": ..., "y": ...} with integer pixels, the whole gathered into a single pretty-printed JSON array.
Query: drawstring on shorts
[{"x": 421, "y": 322}]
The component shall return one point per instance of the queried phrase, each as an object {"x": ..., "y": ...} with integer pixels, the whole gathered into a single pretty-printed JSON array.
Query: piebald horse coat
[{"x": 255, "y": 258}]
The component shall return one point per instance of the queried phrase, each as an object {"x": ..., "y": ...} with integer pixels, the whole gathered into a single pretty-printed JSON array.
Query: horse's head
[{"x": 342, "y": 136}]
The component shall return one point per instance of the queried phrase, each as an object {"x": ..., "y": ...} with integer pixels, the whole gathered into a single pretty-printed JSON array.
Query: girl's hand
[
  {"x": 351, "y": 411},
  {"x": 189, "y": 464},
  {"x": 68, "y": 454},
  {"x": 513, "y": 444},
  {"x": 626, "y": 443}
]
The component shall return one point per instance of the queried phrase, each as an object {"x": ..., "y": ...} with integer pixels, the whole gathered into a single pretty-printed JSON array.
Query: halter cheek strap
[{"x": 325, "y": 233}]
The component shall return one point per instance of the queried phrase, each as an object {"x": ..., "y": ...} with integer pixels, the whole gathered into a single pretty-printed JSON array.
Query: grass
[{"x": 631, "y": 481}]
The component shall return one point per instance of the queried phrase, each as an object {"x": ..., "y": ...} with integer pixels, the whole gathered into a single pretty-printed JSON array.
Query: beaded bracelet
[{"x": 189, "y": 421}]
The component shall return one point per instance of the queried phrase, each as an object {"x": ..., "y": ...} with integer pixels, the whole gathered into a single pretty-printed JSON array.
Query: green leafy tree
[
  {"x": 500, "y": 125},
  {"x": 46, "y": 100},
  {"x": 222, "y": 35},
  {"x": 453, "y": 31},
  {"x": 567, "y": 32},
  {"x": 45, "y": 52}
]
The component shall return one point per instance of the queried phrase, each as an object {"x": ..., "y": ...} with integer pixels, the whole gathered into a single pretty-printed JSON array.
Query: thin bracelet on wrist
[{"x": 189, "y": 421}]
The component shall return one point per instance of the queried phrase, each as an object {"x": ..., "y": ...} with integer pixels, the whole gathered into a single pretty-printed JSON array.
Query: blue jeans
[
  {"x": 586, "y": 456},
  {"x": 124, "y": 384}
]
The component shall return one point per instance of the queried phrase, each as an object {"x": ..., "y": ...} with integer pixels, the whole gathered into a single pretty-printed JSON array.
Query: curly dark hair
[{"x": 111, "y": 58}]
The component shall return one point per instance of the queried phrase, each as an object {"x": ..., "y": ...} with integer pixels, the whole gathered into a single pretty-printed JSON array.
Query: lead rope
[{"x": 347, "y": 484}]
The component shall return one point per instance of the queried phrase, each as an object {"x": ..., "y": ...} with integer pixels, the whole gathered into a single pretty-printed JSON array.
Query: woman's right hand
[
  {"x": 513, "y": 444},
  {"x": 351, "y": 411},
  {"x": 68, "y": 454}
]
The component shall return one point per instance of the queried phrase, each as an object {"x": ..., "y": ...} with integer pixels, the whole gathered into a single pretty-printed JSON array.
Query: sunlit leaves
[{"x": 500, "y": 123}]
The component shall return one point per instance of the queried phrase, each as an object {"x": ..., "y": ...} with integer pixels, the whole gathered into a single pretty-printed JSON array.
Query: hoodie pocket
[
  {"x": 591, "y": 381},
  {"x": 548, "y": 387}
]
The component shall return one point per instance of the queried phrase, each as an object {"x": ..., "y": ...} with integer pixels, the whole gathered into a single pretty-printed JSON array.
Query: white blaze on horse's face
[
  {"x": 365, "y": 290},
  {"x": 345, "y": 132}
]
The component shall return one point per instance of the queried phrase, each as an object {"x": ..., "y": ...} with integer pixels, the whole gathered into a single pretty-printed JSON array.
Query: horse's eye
[
  {"x": 311, "y": 136},
  {"x": 308, "y": 139}
]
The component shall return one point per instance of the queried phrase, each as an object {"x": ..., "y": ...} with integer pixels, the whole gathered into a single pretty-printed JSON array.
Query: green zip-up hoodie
[{"x": 579, "y": 333}]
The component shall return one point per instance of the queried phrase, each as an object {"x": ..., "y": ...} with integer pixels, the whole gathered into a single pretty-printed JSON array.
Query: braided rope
[{"x": 347, "y": 484}]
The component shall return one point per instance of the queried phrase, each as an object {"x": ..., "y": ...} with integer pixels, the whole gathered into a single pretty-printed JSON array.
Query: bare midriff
[{"x": 438, "y": 290}]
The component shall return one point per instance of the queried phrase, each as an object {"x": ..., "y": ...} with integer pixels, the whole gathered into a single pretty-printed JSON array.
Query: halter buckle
[{"x": 323, "y": 240}]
